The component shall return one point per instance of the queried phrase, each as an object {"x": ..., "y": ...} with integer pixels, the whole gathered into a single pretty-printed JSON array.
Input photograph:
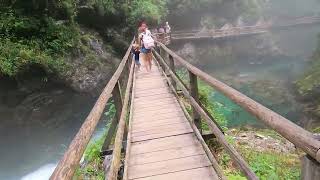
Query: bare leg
[
  {"x": 146, "y": 65},
  {"x": 149, "y": 61},
  {"x": 144, "y": 60}
]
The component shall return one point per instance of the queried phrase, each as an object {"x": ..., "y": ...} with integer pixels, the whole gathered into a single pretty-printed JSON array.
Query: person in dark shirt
[{"x": 136, "y": 53}]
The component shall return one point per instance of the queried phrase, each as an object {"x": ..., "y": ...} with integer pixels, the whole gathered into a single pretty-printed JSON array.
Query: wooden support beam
[
  {"x": 195, "y": 94},
  {"x": 310, "y": 168},
  {"x": 212, "y": 159},
  {"x": 117, "y": 99},
  {"x": 116, "y": 158},
  {"x": 128, "y": 148},
  {"x": 173, "y": 69},
  {"x": 211, "y": 117},
  {"x": 110, "y": 150},
  {"x": 71, "y": 158},
  {"x": 235, "y": 156},
  {"x": 292, "y": 132}
]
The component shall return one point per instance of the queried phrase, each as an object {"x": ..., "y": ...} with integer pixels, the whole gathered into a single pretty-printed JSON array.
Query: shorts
[
  {"x": 145, "y": 51},
  {"x": 136, "y": 60}
]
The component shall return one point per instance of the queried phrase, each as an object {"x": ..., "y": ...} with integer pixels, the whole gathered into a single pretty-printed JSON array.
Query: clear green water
[
  {"x": 268, "y": 78},
  {"x": 271, "y": 85}
]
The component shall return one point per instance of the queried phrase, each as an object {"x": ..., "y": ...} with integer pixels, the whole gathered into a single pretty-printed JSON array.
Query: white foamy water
[{"x": 43, "y": 173}]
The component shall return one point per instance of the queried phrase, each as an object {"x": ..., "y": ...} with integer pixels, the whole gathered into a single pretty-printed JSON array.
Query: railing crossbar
[
  {"x": 219, "y": 135},
  {"x": 292, "y": 132},
  {"x": 116, "y": 158},
  {"x": 71, "y": 158}
]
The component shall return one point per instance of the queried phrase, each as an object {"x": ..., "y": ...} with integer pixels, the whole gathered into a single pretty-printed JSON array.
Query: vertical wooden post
[
  {"x": 130, "y": 60},
  {"x": 172, "y": 67},
  {"x": 127, "y": 81},
  {"x": 194, "y": 93},
  {"x": 117, "y": 98},
  {"x": 164, "y": 55},
  {"x": 159, "y": 52},
  {"x": 158, "y": 49},
  {"x": 125, "y": 75},
  {"x": 310, "y": 168}
]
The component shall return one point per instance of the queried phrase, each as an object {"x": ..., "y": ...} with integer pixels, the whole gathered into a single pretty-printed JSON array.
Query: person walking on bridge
[
  {"x": 146, "y": 43},
  {"x": 136, "y": 55},
  {"x": 167, "y": 28}
]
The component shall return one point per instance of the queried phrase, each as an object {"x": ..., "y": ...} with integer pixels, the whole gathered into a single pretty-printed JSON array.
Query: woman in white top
[{"x": 146, "y": 54}]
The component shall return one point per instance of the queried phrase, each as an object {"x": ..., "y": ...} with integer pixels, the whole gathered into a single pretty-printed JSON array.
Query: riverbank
[{"x": 269, "y": 155}]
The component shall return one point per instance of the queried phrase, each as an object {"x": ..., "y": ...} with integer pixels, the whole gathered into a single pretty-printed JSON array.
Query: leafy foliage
[
  {"x": 266, "y": 164},
  {"x": 44, "y": 32},
  {"x": 149, "y": 10},
  {"x": 93, "y": 168},
  {"x": 29, "y": 40},
  {"x": 311, "y": 79},
  {"x": 309, "y": 84},
  {"x": 205, "y": 93}
]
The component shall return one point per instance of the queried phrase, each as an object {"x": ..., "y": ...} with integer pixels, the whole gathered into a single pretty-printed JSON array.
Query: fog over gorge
[
  {"x": 264, "y": 67},
  {"x": 57, "y": 56}
]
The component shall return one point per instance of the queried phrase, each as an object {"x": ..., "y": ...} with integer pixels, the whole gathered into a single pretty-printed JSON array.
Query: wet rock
[
  {"x": 252, "y": 139},
  {"x": 188, "y": 51},
  {"x": 259, "y": 136},
  {"x": 89, "y": 72}
]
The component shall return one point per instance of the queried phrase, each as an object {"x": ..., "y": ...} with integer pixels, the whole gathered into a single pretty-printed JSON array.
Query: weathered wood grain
[
  {"x": 116, "y": 158},
  {"x": 161, "y": 138},
  {"x": 236, "y": 157},
  {"x": 310, "y": 169},
  {"x": 199, "y": 136},
  {"x": 71, "y": 158},
  {"x": 195, "y": 94},
  {"x": 169, "y": 166},
  {"x": 205, "y": 173},
  {"x": 168, "y": 154},
  {"x": 294, "y": 133},
  {"x": 163, "y": 144}
]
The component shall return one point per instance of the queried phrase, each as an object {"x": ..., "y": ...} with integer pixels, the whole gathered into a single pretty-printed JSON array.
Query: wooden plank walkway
[{"x": 162, "y": 143}]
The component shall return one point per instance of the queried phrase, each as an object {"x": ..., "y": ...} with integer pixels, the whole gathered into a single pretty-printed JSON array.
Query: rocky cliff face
[
  {"x": 38, "y": 97},
  {"x": 90, "y": 67}
]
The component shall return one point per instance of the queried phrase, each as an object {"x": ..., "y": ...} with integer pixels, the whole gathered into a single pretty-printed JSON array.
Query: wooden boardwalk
[{"x": 162, "y": 142}]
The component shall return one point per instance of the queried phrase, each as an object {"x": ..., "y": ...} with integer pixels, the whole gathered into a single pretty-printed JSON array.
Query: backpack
[{"x": 148, "y": 41}]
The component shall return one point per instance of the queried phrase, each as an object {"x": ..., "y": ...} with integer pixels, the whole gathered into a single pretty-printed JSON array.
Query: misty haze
[{"x": 233, "y": 89}]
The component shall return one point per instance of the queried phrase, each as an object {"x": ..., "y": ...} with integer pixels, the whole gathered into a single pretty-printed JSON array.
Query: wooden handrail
[
  {"x": 116, "y": 156},
  {"x": 236, "y": 157},
  {"x": 71, "y": 158},
  {"x": 298, "y": 136},
  {"x": 129, "y": 137},
  {"x": 172, "y": 85}
]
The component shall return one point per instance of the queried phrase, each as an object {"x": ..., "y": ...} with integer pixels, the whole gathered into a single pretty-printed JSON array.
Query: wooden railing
[
  {"x": 295, "y": 134},
  {"x": 240, "y": 30},
  {"x": 300, "y": 137},
  {"x": 70, "y": 161},
  {"x": 164, "y": 38}
]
